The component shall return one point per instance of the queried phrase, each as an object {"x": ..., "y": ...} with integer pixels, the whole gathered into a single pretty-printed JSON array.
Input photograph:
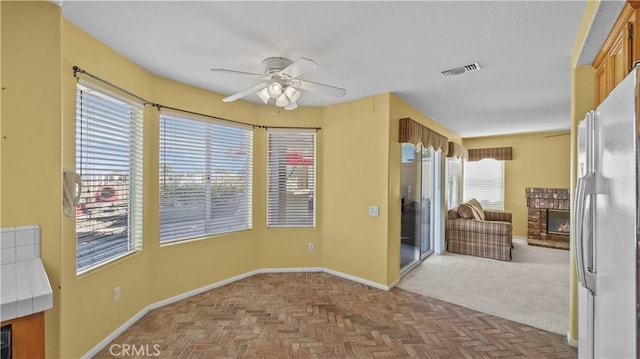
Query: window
[
  {"x": 109, "y": 161},
  {"x": 291, "y": 178},
  {"x": 454, "y": 181},
  {"x": 484, "y": 181},
  {"x": 205, "y": 178}
]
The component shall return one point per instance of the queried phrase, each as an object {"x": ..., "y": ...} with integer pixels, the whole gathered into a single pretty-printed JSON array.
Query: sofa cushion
[
  {"x": 478, "y": 212},
  {"x": 453, "y": 213},
  {"x": 465, "y": 211}
]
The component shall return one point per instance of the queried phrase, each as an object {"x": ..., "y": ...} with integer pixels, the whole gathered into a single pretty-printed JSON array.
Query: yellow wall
[
  {"x": 87, "y": 308},
  {"x": 31, "y": 122},
  {"x": 159, "y": 272},
  {"x": 287, "y": 247},
  {"x": 400, "y": 109},
  {"x": 358, "y": 141},
  {"x": 39, "y": 49},
  {"x": 539, "y": 160},
  {"x": 356, "y": 147}
]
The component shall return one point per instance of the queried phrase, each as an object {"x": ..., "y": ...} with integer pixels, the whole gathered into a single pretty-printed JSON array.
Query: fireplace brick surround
[{"x": 539, "y": 200}]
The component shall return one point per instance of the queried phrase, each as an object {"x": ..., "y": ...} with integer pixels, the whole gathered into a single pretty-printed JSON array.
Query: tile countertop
[{"x": 25, "y": 287}]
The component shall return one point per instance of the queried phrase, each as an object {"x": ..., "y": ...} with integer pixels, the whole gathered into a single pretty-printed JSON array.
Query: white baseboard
[
  {"x": 191, "y": 293},
  {"x": 197, "y": 291},
  {"x": 91, "y": 353},
  {"x": 291, "y": 270},
  {"x": 390, "y": 286},
  {"x": 519, "y": 237},
  {"x": 572, "y": 342},
  {"x": 159, "y": 304},
  {"x": 356, "y": 279}
]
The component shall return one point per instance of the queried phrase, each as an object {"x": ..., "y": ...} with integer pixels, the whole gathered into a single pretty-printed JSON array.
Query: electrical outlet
[
  {"x": 312, "y": 247},
  {"x": 116, "y": 294},
  {"x": 373, "y": 211}
]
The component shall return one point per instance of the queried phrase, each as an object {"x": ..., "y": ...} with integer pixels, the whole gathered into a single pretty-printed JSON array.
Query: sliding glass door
[
  {"x": 410, "y": 206},
  {"x": 417, "y": 204}
]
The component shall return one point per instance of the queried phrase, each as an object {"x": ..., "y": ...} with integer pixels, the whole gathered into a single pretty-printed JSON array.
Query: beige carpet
[{"x": 532, "y": 289}]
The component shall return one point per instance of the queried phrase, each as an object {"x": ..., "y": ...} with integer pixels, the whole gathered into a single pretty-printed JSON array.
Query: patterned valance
[
  {"x": 456, "y": 150},
  {"x": 497, "y": 153},
  {"x": 413, "y": 132}
]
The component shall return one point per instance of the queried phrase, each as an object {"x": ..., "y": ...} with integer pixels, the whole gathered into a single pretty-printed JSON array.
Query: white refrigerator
[{"x": 605, "y": 225}]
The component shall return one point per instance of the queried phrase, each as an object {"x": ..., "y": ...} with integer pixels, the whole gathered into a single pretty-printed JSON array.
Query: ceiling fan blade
[
  {"x": 246, "y": 92},
  {"x": 233, "y": 72},
  {"x": 298, "y": 67},
  {"x": 319, "y": 88}
]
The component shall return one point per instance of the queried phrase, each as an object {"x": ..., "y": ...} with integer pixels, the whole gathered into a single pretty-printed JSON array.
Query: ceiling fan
[{"x": 280, "y": 82}]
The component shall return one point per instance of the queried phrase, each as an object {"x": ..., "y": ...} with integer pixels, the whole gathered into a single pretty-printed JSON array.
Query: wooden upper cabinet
[
  {"x": 618, "y": 59},
  {"x": 601, "y": 83},
  {"x": 619, "y": 52}
]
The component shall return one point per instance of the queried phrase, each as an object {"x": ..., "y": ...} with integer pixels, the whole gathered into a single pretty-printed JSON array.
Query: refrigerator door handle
[
  {"x": 578, "y": 225},
  {"x": 589, "y": 192},
  {"x": 585, "y": 188}
]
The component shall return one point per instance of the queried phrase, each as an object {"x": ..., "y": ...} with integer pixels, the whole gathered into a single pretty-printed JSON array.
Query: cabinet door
[
  {"x": 27, "y": 336},
  {"x": 620, "y": 50},
  {"x": 618, "y": 59},
  {"x": 601, "y": 83}
]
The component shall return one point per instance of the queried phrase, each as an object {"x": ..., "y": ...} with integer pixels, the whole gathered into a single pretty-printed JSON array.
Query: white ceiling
[{"x": 523, "y": 48}]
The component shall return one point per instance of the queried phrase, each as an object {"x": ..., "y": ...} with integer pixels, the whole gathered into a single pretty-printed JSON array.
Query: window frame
[
  {"x": 277, "y": 221},
  {"x": 88, "y": 123},
  {"x": 471, "y": 169},
  {"x": 455, "y": 180},
  {"x": 212, "y": 148}
]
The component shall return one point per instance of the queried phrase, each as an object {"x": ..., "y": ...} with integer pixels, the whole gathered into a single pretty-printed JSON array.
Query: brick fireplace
[{"x": 539, "y": 202}]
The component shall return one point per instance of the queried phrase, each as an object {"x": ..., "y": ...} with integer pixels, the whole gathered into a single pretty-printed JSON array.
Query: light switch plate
[
  {"x": 373, "y": 211},
  {"x": 116, "y": 294}
]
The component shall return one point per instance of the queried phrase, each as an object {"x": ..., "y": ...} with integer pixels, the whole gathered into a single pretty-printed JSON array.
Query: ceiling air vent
[{"x": 461, "y": 70}]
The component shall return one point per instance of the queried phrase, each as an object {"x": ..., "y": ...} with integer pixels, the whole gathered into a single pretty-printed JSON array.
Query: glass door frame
[{"x": 435, "y": 191}]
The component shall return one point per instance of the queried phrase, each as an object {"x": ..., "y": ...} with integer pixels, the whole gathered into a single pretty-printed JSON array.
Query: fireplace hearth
[{"x": 548, "y": 217}]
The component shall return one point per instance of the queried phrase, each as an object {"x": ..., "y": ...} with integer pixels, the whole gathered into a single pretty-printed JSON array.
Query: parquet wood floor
[{"x": 317, "y": 315}]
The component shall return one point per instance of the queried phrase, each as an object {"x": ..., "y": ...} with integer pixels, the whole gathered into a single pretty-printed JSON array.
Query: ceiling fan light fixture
[
  {"x": 264, "y": 95},
  {"x": 292, "y": 93},
  {"x": 291, "y": 106},
  {"x": 280, "y": 81},
  {"x": 275, "y": 90},
  {"x": 282, "y": 100}
]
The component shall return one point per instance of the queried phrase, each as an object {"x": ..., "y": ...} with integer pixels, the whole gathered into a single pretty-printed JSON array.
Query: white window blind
[
  {"x": 484, "y": 181},
  {"x": 109, "y": 161},
  {"x": 291, "y": 178},
  {"x": 454, "y": 181},
  {"x": 205, "y": 178}
]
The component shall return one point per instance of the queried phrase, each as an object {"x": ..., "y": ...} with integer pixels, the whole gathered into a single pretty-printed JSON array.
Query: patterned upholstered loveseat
[{"x": 474, "y": 231}]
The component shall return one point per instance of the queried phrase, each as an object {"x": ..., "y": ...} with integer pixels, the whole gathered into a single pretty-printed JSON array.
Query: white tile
[
  {"x": 25, "y": 296},
  {"x": 24, "y": 253},
  {"x": 25, "y": 307},
  {"x": 7, "y": 238},
  {"x": 23, "y": 280},
  {"x": 42, "y": 302},
  {"x": 26, "y": 228},
  {"x": 8, "y": 310},
  {"x": 8, "y": 282},
  {"x": 7, "y": 255},
  {"x": 39, "y": 280},
  {"x": 25, "y": 237},
  {"x": 8, "y": 292},
  {"x": 36, "y": 235}
]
